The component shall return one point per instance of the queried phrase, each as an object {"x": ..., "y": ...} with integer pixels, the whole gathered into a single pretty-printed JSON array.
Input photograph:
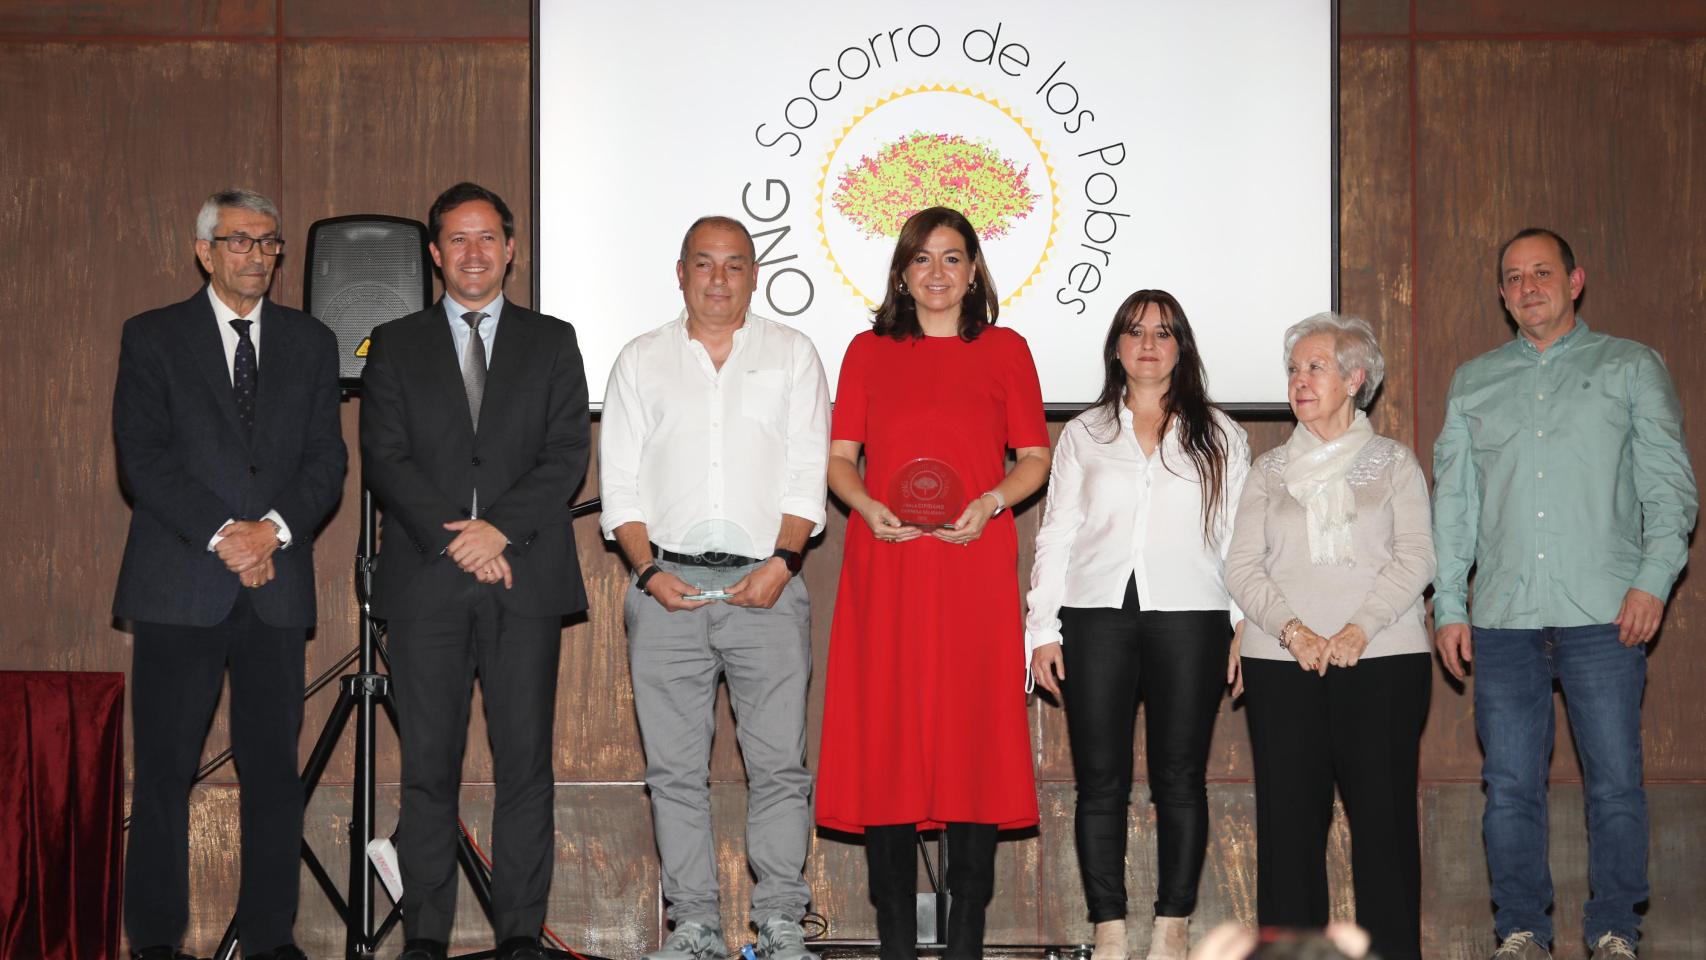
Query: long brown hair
[
  {"x": 1185, "y": 404},
  {"x": 897, "y": 317}
]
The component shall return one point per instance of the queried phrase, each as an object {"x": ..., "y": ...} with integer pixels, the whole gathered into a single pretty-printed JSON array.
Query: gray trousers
[{"x": 765, "y": 655}]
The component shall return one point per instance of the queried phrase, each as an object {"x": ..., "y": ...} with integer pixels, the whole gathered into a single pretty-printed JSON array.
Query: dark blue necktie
[{"x": 245, "y": 374}]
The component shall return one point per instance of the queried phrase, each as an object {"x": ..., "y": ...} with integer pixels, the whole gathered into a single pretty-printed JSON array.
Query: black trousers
[
  {"x": 176, "y": 675},
  {"x": 1359, "y": 728},
  {"x": 433, "y": 665},
  {"x": 1175, "y": 662},
  {"x": 891, "y": 859}
]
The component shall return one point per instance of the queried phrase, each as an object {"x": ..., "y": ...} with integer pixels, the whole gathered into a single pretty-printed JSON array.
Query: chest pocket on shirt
[
  {"x": 1603, "y": 398},
  {"x": 762, "y": 396}
]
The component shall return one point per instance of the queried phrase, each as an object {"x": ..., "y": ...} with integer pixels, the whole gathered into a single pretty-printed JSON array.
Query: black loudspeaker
[{"x": 362, "y": 271}]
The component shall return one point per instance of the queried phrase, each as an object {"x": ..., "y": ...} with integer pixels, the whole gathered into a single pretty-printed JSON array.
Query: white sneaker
[{"x": 1612, "y": 947}]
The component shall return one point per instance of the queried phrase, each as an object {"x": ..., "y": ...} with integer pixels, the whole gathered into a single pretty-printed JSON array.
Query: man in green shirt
[{"x": 1561, "y": 476}]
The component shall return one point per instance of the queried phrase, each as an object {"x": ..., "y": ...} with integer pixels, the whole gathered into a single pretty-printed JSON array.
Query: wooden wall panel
[
  {"x": 1567, "y": 17},
  {"x": 133, "y": 18},
  {"x": 406, "y": 18},
  {"x": 1374, "y": 222},
  {"x": 103, "y": 192},
  {"x": 1363, "y": 18},
  {"x": 383, "y": 128},
  {"x": 215, "y": 847}
]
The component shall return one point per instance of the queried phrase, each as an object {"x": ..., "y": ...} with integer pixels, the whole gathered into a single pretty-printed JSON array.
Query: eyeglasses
[{"x": 237, "y": 243}]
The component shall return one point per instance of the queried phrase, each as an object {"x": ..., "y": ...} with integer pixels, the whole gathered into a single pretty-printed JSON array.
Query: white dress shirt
[
  {"x": 1114, "y": 514},
  {"x": 709, "y": 460},
  {"x": 223, "y": 315}
]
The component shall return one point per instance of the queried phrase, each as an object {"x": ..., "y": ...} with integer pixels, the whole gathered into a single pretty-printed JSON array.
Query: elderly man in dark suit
[
  {"x": 226, "y": 420},
  {"x": 474, "y": 437}
]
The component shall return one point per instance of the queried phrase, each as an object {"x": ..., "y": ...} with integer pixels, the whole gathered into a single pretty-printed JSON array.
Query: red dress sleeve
[
  {"x": 1026, "y": 424},
  {"x": 848, "y": 421}
]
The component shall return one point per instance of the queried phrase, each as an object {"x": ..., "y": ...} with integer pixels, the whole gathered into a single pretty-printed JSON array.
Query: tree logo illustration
[
  {"x": 939, "y": 145},
  {"x": 877, "y": 194}
]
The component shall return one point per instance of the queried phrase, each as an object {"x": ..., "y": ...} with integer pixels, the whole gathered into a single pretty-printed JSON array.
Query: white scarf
[{"x": 1315, "y": 475}]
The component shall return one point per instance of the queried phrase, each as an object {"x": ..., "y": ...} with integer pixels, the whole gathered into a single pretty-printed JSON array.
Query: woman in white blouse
[
  {"x": 1128, "y": 602},
  {"x": 1329, "y": 557}
]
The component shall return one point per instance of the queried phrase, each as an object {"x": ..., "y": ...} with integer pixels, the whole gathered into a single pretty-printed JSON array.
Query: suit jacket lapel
[
  {"x": 275, "y": 348},
  {"x": 514, "y": 344},
  {"x": 207, "y": 350}
]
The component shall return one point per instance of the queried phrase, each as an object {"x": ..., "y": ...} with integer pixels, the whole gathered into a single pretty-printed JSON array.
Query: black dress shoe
[
  {"x": 160, "y": 953},
  {"x": 521, "y": 948},
  {"x": 287, "y": 952},
  {"x": 424, "y": 950}
]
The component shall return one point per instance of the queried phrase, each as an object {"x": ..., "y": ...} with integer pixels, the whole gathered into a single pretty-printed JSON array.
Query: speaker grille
[{"x": 364, "y": 271}]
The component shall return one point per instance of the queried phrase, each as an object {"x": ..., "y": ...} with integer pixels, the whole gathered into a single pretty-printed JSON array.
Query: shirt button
[
  {"x": 1541, "y": 556},
  {"x": 714, "y": 463},
  {"x": 1541, "y": 514},
  {"x": 1539, "y": 474},
  {"x": 1540, "y": 396},
  {"x": 1540, "y": 433}
]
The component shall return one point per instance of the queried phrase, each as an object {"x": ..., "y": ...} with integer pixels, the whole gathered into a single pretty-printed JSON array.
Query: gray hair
[
  {"x": 1354, "y": 347},
  {"x": 207, "y": 220},
  {"x": 718, "y": 220}
]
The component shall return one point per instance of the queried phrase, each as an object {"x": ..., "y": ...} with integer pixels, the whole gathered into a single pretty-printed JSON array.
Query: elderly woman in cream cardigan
[{"x": 1330, "y": 553}]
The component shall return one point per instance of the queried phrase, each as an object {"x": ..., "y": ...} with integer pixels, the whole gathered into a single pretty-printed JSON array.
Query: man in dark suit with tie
[
  {"x": 474, "y": 437},
  {"x": 226, "y": 421}
]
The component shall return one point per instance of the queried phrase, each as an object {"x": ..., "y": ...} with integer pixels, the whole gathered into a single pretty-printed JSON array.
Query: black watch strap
[
  {"x": 646, "y": 575},
  {"x": 793, "y": 558}
]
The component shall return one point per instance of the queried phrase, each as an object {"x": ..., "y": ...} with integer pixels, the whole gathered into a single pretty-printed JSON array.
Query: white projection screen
[{"x": 1099, "y": 147}]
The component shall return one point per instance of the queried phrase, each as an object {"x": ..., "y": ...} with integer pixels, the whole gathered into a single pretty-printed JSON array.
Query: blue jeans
[{"x": 1602, "y": 682}]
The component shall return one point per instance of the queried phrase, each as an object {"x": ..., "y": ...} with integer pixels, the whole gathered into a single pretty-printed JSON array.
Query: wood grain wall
[{"x": 1462, "y": 121}]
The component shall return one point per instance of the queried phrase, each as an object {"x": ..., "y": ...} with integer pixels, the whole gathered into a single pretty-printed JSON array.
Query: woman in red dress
[{"x": 924, "y": 722}]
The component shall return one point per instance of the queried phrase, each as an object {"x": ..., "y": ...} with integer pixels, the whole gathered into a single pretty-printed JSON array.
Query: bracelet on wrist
[
  {"x": 1289, "y": 632},
  {"x": 1000, "y": 501}
]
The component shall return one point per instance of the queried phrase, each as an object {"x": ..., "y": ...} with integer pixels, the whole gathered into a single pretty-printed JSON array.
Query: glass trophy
[
  {"x": 927, "y": 493},
  {"x": 718, "y": 542}
]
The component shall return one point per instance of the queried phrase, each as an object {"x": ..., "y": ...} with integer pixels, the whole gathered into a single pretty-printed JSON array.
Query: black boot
[
  {"x": 891, "y": 859},
  {"x": 971, "y": 882}
]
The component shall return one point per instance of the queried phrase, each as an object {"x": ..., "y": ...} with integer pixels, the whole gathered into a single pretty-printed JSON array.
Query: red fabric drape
[{"x": 61, "y": 813}]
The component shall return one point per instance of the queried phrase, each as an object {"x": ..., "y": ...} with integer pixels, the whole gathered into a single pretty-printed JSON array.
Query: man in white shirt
[{"x": 713, "y": 454}]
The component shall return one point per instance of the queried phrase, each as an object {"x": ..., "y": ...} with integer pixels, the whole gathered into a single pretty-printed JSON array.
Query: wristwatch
[
  {"x": 651, "y": 570},
  {"x": 793, "y": 558}
]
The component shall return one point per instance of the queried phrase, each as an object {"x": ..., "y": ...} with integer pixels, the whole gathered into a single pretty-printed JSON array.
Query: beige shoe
[
  {"x": 1521, "y": 945},
  {"x": 1110, "y": 941},
  {"x": 1171, "y": 938},
  {"x": 1612, "y": 947}
]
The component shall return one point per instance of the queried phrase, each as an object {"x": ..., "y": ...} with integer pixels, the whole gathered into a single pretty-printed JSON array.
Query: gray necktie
[{"x": 474, "y": 365}]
